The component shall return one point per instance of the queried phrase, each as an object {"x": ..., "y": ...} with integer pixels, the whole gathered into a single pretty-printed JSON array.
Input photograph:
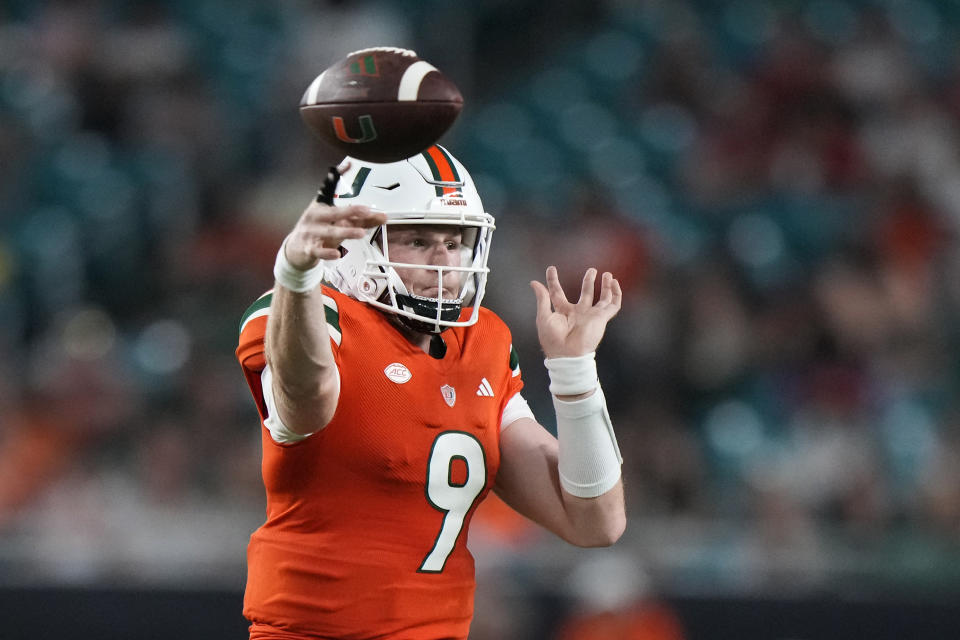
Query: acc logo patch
[{"x": 398, "y": 373}]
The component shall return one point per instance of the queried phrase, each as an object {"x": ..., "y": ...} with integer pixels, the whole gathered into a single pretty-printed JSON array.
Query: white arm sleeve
[
  {"x": 589, "y": 457},
  {"x": 280, "y": 433}
]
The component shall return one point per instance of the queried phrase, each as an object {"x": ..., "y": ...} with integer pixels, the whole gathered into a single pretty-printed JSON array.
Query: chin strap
[{"x": 427, "y": 307}]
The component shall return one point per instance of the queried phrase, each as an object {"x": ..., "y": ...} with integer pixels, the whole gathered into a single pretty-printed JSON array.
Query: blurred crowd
[{"x": 776, "y": 184}]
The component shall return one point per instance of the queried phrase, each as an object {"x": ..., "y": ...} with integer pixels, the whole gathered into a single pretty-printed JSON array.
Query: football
[{"x": 381, "y": 104}]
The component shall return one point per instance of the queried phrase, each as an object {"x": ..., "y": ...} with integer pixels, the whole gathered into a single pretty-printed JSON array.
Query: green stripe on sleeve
[
  {"x": 261, "y": 303},
  {"x": 332, "y": 315}
]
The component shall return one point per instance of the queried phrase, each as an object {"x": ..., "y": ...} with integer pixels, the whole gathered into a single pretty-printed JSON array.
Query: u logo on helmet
[{"x": 369, "y": 133}]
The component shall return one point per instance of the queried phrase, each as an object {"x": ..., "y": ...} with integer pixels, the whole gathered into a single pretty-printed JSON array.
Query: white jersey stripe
[
  {"x": 516, "y": 408},
  {"x": 412, "y": 77},
  {"x": 256, "y": 314},
  {"x": 337, "y": 337}
]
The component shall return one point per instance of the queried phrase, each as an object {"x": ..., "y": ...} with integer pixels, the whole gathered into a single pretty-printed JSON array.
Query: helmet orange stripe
[{"x": 442, "y": 167}]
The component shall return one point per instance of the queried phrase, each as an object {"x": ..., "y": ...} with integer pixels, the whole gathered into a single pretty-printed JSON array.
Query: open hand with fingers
[
  {"x": 320, "y": 230},
  {"x": 568, "y": 329}
]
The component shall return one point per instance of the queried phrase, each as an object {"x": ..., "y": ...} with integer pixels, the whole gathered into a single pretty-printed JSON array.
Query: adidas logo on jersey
[{"x": 485, "y": 388}]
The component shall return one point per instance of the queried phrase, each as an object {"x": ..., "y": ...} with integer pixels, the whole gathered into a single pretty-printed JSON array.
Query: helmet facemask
[{"x": 427, "y": 314}]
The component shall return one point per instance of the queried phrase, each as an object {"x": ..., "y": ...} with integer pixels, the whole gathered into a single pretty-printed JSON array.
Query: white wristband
[
  {"x": 589, "y": 458},
  {"x": 295, "y": 279},
  {"x": 572, "y": 376}
]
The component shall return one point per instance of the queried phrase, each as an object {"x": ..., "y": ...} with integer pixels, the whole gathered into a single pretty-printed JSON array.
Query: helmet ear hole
[{"x": 367, "y": 286}]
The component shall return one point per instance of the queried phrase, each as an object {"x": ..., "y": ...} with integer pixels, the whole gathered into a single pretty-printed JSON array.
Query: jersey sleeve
[
  {"x": 516, "y": 406},
  {"x": 253, "y": 331},
  {"x": 515, "y": 409},
  {"x": 281, "y": 433},
  {"x": 496, "y": 332},
  {"x": 513, "y": 363}
]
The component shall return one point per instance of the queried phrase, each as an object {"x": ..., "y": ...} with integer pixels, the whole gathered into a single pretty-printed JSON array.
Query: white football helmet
[{"x": 431, "y": 188}]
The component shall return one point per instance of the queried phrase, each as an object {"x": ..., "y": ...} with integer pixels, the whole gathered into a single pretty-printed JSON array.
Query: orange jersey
[{"x": 367, "y": 519}]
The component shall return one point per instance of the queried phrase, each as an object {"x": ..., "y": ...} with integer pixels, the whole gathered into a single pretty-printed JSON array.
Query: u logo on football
[{"x": 368, "y": 132}]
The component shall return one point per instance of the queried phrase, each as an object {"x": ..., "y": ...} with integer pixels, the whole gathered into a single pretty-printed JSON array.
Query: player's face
[{"x": 436, "y": 245}]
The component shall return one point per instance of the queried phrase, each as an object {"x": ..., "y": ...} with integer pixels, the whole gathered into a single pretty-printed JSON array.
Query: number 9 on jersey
[{"x": 453, "y": 498}]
